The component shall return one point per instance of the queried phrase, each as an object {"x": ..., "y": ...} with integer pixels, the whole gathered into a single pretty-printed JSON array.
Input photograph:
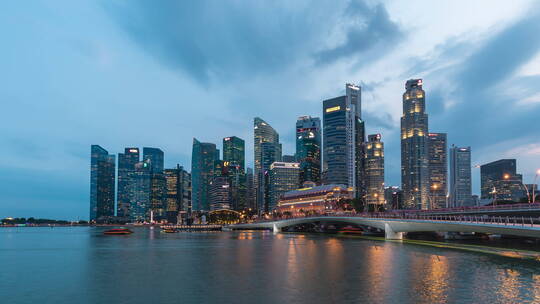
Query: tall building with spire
[
  {"x": 343, "y": 141},
  {"x": 308, "y": 148},
  {"x": 102, "y": 183},
  {"x": 203, "y": 160},
  {"x": 267, "y": 150},
  {"x": 414, "y": 149}
]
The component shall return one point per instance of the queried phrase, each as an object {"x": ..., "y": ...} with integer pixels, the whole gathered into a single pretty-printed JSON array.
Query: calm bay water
[{"x": 81, "y": 265}]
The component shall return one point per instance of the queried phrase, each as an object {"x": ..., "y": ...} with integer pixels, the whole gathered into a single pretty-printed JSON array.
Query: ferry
[
  {"x": 169, "y": 230},
  {"x": 350, "y": 230},
  {"x": 118, "y": 231}
]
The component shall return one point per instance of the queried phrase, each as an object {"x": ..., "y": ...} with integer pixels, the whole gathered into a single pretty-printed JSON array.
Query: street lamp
[{"x": 535, "y": 185}]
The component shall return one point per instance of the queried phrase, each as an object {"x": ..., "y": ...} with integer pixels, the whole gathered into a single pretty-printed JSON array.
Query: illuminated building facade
[
  {"x": 267, "y": 150},
  {"x": 203, "y": 160},
  {"x": 460, "y": 193},
  {"x": 140, "y": 189},
  {"x": 126, "y": 167},
  {"x": 250, "y": 190},
  {"x": 234, "y": 161},
  {"x": 500, "y": 182},
  {"x": 178, "y": 193},
  {"x": 234, "y": 151},
  {"x": 102, "y": 183},
  {"x": 158, "y": 195},
  {"x": 374, "y": 171},
  {"x": 220, "y": 194},
  {"x": 283, "y": 177},
  {"x": 343, "y": 140},
  {"x": 438, "y": 170},
  {"x": 308, "y": 148},
  {"x": 320, "y": 199},
  {"x": 414, "y": 154}
]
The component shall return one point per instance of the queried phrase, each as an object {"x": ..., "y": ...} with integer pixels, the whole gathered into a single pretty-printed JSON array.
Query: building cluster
[
  {"x": 333, "y": 161},
  {"x": 146, "y": 191}
]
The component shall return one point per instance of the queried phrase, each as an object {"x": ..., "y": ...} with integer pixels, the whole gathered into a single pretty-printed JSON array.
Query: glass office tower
[
  {"x": 267, "y": 150},
  {"x": 438, "y": 170},
  {"x": 343, "y": 141},
  {"x": 202, "y": 172},
  {"x": 283, "y": 177},
  {"x": 102, "y": 183},
  {"x": 126, "y": 167},
  {"x": 308, "y": 148},
  {"x": 460, "y": 193}
]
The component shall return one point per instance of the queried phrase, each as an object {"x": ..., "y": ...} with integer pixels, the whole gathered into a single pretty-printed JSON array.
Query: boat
[
  {"x": 118, "y": 231},
  {"x": 351, "y": 231},
  {"x": 169, "y": 230}
]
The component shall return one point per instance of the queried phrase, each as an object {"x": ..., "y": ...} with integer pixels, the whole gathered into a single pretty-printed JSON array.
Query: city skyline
[{"x": 454, "y": 87}]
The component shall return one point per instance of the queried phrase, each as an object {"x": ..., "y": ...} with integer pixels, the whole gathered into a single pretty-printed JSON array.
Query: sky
[{"x": 157, "y": 74}]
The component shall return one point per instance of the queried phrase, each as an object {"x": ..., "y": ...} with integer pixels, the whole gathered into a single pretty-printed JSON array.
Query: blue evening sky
[{"x": 158, "y": 73}]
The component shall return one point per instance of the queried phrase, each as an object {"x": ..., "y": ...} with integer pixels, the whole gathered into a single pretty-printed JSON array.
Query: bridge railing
[
  {"x": 524, "y": 206},
  {"x": 476, "y": 219}
]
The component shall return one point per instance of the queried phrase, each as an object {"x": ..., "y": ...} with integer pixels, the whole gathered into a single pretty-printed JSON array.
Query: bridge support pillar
[
  {"x": 390, "y": 234},
  {"x": 275, "y": 228}
]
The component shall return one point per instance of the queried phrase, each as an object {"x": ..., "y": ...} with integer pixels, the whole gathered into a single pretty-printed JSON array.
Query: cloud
[
  {"x": 470, "y": 97},
  {"x": 214, "y": 40},
  {"x": 371, "y": 31}
]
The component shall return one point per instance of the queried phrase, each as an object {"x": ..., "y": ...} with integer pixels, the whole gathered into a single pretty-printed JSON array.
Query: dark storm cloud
[
  {"x": 216, "y": 40},
  {"x": 372, "y": 30}
]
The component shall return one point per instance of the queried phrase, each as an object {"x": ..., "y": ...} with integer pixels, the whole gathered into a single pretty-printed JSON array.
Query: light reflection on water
[{"x": 63, "y": 265}]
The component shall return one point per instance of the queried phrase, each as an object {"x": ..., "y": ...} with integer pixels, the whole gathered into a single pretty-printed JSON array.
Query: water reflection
[{"x": 250, "y": 267}]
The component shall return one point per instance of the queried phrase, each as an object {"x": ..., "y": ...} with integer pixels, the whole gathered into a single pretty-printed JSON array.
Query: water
[{"x": 81, "y": 265}]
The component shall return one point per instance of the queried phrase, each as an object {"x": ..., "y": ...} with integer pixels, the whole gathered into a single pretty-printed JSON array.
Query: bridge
[
  {"x": 526, "y": 210},
  {"x": 394, "y": 227}
]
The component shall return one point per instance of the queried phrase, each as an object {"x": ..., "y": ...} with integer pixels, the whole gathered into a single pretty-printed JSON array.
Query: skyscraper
[
  {"x": 234, "y": 160},
  {"x": 283, "y": 177},
  {"x": 178, "y": 192},
  {"x": 158, "y": 196},
  {"x": 126, "y": 167},
  {"x": 219, "y": 193},
  {"x": 460, "y": 193},
  {"x": 202, "y": 172},
  {"x": 374, "y": 172},
  {"x": 500, "y": 182},
  {"x": 308, "y": 148},
  {"x": 140, "y": 189},
  {"x": 414, "y": 156},
  {"x": 438, "y": 170},
  {"x": 102, "y": 184},
  {"x": 154, "y": 157},
  {"x": 267, "y": 150},
  {"x": 250, "y": 189},
  {"x": 234, "y": 151},
  {"x": 343, "y": 140}
]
